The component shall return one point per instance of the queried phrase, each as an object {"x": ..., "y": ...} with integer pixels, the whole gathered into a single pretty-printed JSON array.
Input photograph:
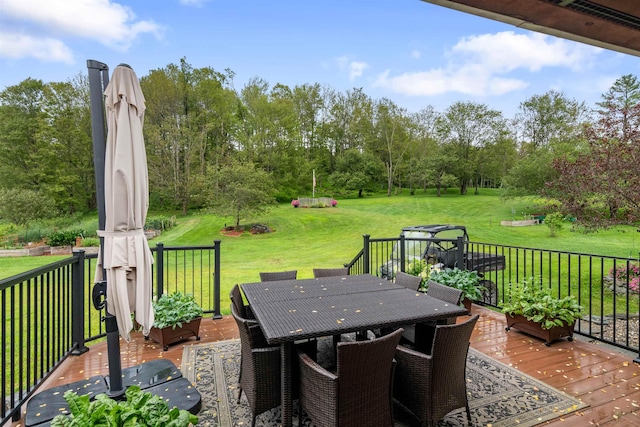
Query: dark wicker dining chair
[
  {"x": 444, "y": 293},
  {"x": 421, "y": 335},
  {"x": 431, "y": 386},
  {"x": 259, "y": 368},
  {"x": 269, "y": 276},
  {"x": 358, "y": 393},
  {"x": 407, "y": 280},
  {"x": 330, "y": 272},
  {"x": 242, "y": 309}
]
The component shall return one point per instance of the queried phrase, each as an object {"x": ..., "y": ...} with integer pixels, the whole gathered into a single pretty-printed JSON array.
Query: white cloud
[
  {"x": 485, "y": 65},
  {"x": 13, "y": 45},
  {"x": 441, "y": 81},
  {"x": 508, "y": 51},
  {"x": 106, "y": 22},
  {"x": 416, "y": 54},
  {"x": 356, "y": 69}
]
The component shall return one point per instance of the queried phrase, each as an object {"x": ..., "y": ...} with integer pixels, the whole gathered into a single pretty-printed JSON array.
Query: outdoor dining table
[{"x": 291, "y": 310}]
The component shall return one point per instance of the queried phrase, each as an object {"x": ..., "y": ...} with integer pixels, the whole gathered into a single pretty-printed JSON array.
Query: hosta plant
[
  {"x": 141, "y": 408},
  {"x": 537, "y": 304},
  {"x": 467, "y": 281},
  {"x": 174, "y": 309}
]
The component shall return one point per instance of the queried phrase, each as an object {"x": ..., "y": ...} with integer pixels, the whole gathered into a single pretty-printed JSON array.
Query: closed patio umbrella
[
  {"x": 126, "y": 258},
  {"x": 123, "y": 271}
]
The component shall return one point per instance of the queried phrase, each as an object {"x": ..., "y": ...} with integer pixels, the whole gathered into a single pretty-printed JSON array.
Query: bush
[
  {"x": 554, "y": 221},
  {"x": 89, "y": 242},
  {"x": 160, "y": 223},
  {"x": 64, "y": 238}
]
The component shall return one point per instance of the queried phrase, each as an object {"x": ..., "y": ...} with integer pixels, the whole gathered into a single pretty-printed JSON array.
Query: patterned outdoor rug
[{"x": 499, "y": 395}]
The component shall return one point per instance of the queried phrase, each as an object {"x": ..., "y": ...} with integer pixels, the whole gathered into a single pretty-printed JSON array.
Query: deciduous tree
[
  {"x": 239, "y": 190},
  {"x": 600, "y": 186}
]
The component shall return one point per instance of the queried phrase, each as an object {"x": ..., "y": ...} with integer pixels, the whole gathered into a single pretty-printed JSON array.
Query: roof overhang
[{"x": 610, "y": 24}]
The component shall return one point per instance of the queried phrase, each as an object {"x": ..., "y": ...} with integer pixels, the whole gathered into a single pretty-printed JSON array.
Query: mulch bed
[{"x": 252, "y": 229}]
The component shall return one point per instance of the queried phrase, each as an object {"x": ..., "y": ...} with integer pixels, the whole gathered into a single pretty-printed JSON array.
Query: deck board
[{"x": 601, "y": 376}]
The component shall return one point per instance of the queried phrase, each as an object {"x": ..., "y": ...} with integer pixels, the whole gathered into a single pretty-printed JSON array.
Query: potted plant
[
  {"x": 141, "y": 408},
  {"x": 467, "y": 281},
  {"x": 177, "y": 316},
  {"x": 533, "y": 309}
]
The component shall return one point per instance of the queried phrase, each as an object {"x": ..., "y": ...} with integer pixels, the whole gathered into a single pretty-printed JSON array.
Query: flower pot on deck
[
  {"x": 522, "y": 324},
  {"x": 169, "y": 335}
]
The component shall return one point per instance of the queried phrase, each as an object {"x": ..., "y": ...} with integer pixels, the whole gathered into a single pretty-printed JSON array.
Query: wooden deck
[{"x": 604, "y": 378}]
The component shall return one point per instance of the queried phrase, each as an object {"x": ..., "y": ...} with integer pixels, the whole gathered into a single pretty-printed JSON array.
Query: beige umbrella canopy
[{"x": 126, "y": 257}]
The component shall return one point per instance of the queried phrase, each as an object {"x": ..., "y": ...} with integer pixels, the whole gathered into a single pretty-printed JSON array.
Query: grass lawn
[{"x": 306, "y": 238}]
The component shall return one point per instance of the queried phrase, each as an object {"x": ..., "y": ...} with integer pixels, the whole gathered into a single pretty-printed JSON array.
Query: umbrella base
[{"x": 160, "y": 377}]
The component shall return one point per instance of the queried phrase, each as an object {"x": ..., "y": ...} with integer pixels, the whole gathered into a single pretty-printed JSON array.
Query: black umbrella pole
[
  {"x": 115, "y": 368},
  {"x": 98, "y": 81}
]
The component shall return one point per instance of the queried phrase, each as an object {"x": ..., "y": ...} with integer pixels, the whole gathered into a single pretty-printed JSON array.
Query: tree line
[{"x": 207, "y": 142}]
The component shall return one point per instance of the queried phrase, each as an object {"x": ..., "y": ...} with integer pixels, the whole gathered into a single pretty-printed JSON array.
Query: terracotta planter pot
[
  {"x": 168, "y": 335},
  {"x": 466, "y": 302},
  {"x": 548, "y": 335}
]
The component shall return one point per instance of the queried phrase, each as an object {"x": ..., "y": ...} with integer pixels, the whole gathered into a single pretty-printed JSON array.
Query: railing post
[
  {"x": 216, "y": 280},
  {"x": 637, "y": 359},
  {"x": 402, "y": 253},
  {"x": 77, "y": 304},
  {"x": 365, "y": 255},
  {"x": 159, "y": 269}
]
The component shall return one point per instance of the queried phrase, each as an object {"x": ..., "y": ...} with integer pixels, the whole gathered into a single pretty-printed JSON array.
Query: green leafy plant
[
  {"x": 537, "y": 304},
  {"x": 417, "y": 268},
  {"x": 64, "y": 238},
  {"x": 554, "y": 221},
  {"x": 467, "y": 281},
  {"x": 174, "y": 309},
  {"x": 160, "y": 223},
  {"x": 141, "y": 408},
  {"x": 89, "y": 241}
]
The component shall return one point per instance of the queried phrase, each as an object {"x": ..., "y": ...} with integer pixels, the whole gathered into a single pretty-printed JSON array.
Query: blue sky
[{"x": 414, "y": 53}]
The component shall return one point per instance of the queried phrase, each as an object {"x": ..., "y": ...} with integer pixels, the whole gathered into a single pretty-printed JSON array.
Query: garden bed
[{"x": 520, "y": 223}]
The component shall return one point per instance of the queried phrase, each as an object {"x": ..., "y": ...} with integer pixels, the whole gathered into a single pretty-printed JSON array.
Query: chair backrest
[
  {"x": 330, "y": 272},
  {"x": 449, "y": 357},
  {"x": 431, "y": 386},
  {"x": 259, "y": 366},
  {"x": 407, "y": 280},
  {"x": 237, "y": 302},
  {"x": 278, "y": 275},
  {"x": 365, "y": 375},
  {"x": 444, "y": 293}
]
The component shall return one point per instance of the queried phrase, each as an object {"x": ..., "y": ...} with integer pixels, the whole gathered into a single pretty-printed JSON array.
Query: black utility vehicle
[{"x": 438, "y": 244}]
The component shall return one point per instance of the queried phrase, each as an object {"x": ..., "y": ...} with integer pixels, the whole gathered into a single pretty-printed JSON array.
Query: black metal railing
[
  {"x": 48, "y": 312},
  {"x": 611, "y": 304},
  {"x": 41, "y": 307}
]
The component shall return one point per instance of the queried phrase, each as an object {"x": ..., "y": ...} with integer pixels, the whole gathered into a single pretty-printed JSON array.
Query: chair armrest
[
  {"x": 312, "y": 369},
  {"x": 412, "y": 378},
  {"x": 319, "y": 387},
  {"x": 257, "y": 336}
]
